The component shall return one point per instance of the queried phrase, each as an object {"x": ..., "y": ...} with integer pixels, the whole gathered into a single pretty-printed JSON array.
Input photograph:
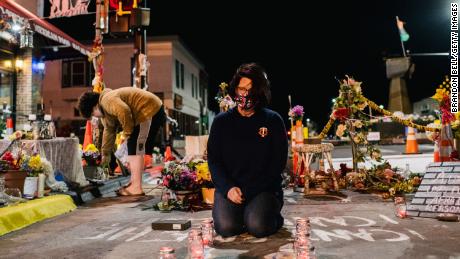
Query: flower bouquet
[
  {"x": 296, "y": 113},
  {"x": 181, "y": 178},
  {"x": 11, "y": 172},
  {"x": 449, "y": 122},
  {"x": 204, "y": 177},
  {"x": 32, "y": 164},
  {"x": 91, "y": 155}
]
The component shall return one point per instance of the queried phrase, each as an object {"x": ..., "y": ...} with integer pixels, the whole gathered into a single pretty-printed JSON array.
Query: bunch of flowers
[
  {"x": 296, "y": 113},
  {"x": 32, "y": 164},
  {"x": 204, "y": 175},
  {"x": 442, "y": 95},
  {"x": 223, "y": 98},
  {"x": 8, "y": 162},
  {"x": 381, "y": 178},
  {"x": 91, "y": 155},
  {"x": 180, "y": 176}
]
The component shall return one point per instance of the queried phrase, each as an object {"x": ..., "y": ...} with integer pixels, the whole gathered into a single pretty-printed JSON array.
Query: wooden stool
[{"x": 306, "y": 153}]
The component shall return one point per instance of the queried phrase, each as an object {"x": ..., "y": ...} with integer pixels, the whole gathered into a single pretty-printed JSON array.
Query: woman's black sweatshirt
[{"x": 247, "y": 152}]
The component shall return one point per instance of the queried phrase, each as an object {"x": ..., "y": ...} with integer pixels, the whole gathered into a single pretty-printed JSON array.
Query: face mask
[{"x": 244, "y": 102}]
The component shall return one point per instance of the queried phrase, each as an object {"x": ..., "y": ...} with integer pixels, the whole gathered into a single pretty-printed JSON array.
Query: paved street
[
  {"x": 393, "y": 154},
  {"x": 355, "y": 226},
  {"x": 387, "y": 150}
]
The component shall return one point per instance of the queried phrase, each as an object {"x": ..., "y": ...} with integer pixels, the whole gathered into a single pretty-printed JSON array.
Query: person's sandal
[{"x": 123, "y": 192}]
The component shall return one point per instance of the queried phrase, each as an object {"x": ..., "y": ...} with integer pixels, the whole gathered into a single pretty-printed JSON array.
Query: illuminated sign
[{"x": 68, "y": 8}]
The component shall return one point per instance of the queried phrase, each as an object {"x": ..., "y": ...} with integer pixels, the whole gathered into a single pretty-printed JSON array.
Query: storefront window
[
  {"x": 76, "y": 73},
  {"x": 6, "y": 83},
  {"x": 6, "y": 78}
]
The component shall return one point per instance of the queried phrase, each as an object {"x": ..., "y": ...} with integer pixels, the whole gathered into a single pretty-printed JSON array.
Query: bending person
[{"x": 138, "y": 113}]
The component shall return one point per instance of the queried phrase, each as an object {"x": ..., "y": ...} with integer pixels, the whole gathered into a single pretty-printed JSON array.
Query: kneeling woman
[{"x": 247, "y": 152}]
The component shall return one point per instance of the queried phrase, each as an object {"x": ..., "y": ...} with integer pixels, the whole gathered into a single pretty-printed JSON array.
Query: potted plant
[
  {"x": 181, "y": 178},
  {"x": 10, "y": 171},
  {"x": 34, "y": 166}
]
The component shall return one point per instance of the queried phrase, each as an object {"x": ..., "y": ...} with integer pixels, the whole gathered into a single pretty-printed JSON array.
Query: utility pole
[{"x": 139, "y": 20}]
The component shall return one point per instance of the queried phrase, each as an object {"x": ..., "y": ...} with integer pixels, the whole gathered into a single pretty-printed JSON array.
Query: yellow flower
[
  {"x": 202, "y": 172},
  {"x": 91, "y": 148},
  {"x": 457, "y": 115},
  {"x": 440, "y": 94},
  {"x": 15, "y": 135},
  {"x": 35, "y": 163},
  {"x": 223, "y": 86}
]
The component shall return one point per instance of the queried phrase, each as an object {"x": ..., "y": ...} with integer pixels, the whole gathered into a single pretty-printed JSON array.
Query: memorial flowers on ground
[{"x": 380, "y": 178}]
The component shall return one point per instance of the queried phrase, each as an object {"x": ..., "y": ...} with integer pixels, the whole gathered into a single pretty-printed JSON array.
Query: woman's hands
[{"x": 235, "y": 195}]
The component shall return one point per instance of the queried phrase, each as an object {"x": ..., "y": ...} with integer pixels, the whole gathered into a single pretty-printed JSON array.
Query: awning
[{"x": 40, "y": 26}]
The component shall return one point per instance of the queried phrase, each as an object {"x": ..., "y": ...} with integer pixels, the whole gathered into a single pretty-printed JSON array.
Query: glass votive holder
[
  {"x": 401, "y": 211},
  {"x": 167, "y": 252},
  {"x": 207, "y": 231}
]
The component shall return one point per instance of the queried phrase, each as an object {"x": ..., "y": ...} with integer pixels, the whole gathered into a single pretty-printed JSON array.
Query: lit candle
[{"x": 401, "y": 211}]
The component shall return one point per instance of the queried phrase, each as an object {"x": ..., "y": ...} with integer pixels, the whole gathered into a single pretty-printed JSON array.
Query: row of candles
[
  {"x": 199, "y": 237},
  {"x": 202, "y": 236}
]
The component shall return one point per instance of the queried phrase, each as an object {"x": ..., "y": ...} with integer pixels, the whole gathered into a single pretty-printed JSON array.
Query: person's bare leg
[{"x": 136, "y": 164}]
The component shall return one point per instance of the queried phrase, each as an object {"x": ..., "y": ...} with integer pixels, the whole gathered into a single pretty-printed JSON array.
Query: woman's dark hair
[
  {"x": 260, "y": 91},
  {"x": 86, "y": 103}
]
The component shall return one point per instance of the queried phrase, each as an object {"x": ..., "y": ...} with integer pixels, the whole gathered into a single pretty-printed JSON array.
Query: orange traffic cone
[
  {"x": 147, "y": 161},
  {"x": 446, "y": 143},
  {"x": 411, "y": 142},
  {"x": 88, "y": 135},
  {"x": 436, "y": 157},
  {"x": 168, "y": 155},
  {"x": 9, "y": 126}
]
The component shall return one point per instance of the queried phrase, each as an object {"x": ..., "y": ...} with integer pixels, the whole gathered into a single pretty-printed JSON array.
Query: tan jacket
[{"x": 125, "y": 107}]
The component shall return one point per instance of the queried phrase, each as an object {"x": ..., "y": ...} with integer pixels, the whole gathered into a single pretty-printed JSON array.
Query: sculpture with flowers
[{"x": 353, "y": 122}]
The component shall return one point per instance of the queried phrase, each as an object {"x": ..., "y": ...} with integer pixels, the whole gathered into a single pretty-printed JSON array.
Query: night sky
[{"x": 303, "y": 54}]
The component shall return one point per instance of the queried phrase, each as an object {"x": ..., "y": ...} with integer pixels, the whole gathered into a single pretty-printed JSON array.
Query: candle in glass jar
[{"x": 401, "y": 211}]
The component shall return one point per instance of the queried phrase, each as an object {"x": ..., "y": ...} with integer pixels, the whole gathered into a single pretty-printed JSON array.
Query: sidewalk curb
[
  {"x": 94, "y": 191},
  {"x": 105, "y": 189}
]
